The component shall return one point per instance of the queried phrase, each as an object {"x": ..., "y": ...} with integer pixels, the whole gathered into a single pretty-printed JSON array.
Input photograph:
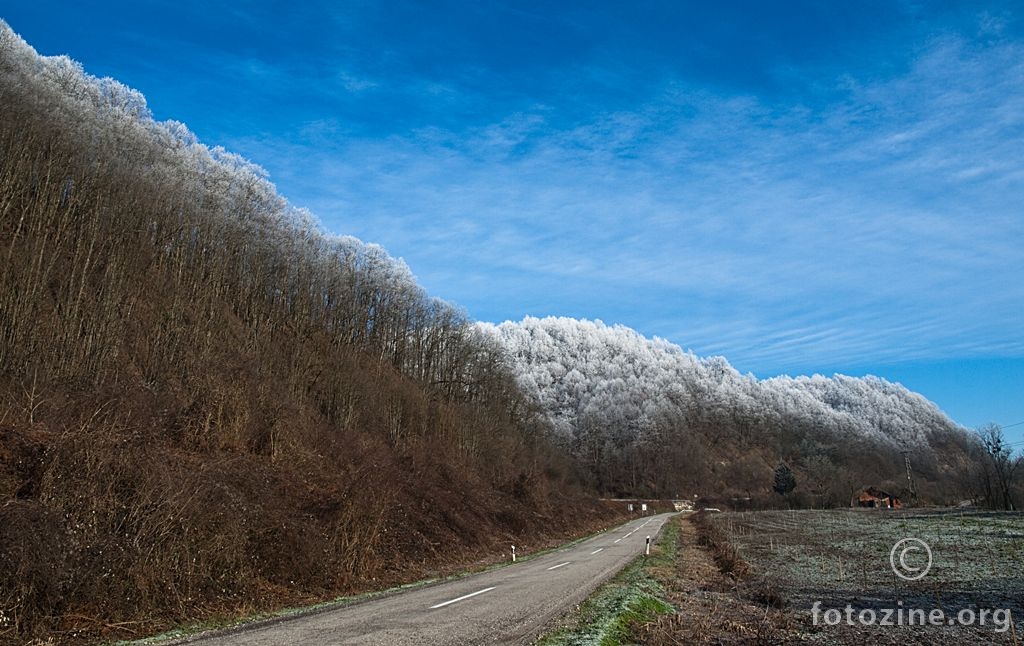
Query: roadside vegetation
[
  {"x": 633, "y": 597},
  {"x": 679, "y": 596}
]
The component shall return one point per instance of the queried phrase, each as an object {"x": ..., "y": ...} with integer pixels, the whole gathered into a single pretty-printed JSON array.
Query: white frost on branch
[{"x": 585, "y": 373}]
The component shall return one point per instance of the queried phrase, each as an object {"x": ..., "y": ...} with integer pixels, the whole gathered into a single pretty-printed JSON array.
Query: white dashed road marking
[{"x": 465, "y": 596}]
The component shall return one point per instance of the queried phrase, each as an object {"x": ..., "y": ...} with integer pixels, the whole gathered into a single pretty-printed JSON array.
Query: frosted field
[{"x": 842, "y": 557}]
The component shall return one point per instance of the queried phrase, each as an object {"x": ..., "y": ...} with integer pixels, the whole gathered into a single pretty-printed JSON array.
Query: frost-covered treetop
[
  {"x": 579, "y": 370},
  {"x": 108, "y": 110}
]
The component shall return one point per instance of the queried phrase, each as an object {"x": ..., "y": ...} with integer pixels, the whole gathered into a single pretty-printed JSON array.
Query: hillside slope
[
  {"x": 649, "y": 418},
  {"x": 207, "y": 405}
]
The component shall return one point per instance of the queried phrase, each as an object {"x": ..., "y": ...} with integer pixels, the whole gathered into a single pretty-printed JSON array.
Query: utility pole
[{"x": 910, "y": 475}]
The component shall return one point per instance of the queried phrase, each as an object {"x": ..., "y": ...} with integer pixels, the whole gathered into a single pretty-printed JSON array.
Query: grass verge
[{"x": 635, "y": 596}]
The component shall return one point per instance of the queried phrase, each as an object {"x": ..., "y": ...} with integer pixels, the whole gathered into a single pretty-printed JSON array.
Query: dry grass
[{"x": 711, "y": 589}]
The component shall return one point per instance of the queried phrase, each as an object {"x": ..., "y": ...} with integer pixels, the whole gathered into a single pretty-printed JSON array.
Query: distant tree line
[{"x": 647, "y": 418}]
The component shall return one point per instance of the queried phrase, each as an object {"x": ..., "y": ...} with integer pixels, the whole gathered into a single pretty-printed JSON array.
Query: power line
[
  {"x": 1018, "y": 442},
  {"x": 1021, "y": 423}
]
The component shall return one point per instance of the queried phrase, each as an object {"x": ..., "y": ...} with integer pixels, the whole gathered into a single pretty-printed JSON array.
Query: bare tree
[{"x": 999, "y": 470}]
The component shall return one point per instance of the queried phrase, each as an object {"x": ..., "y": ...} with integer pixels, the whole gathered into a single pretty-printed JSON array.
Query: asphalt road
[{"x": 510, "y": 605}]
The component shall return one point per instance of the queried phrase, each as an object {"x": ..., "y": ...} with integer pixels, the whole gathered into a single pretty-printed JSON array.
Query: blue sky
[{"x": 799, "y": 187}]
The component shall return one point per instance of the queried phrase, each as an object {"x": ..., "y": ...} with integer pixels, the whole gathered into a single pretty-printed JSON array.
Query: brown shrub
[{"x": 728, "y": 559}]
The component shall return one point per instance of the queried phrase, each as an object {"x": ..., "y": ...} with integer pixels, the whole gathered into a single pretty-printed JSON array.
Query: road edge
[{"x": 243, "y": 624}]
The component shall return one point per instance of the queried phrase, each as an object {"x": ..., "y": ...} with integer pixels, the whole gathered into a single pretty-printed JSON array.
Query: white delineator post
[
  {"x": 648, "y": 551},
  {"x": 513, "y": 553}
]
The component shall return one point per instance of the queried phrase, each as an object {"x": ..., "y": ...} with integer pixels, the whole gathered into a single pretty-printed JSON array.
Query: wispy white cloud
[{"x": 878, "y": 220}]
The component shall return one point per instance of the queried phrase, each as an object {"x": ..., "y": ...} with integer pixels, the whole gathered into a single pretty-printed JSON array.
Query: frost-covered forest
[{"x": 646, "y": 416}]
